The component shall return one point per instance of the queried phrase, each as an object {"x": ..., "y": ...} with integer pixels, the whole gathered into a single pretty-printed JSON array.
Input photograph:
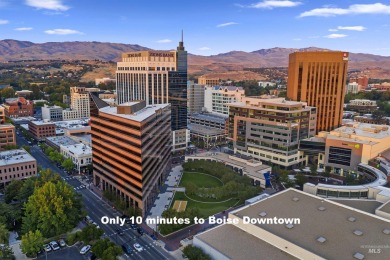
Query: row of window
[
  {"x": 30, "y": 166},
  {"x": 10, "y": 177}
]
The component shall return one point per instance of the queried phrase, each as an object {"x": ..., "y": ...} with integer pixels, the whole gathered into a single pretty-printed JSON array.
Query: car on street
[
  {"x": 96, "y": 224},
  {"x": 140, "y": 231},
  {"x": 138, "y": 247},
  {"x": 153, "y": 237},
  {"x": 85, "y": 249},
  {"x": 120, "y": 232},
  {"x": 88, "y": 219},
  {"x": 133, "y": 226},
  {"x": 54, "y": 245},
  {"x": 127, "y": 248},
  {"x": 62, "y": 242},
  {"x": 47, "y": 247}
]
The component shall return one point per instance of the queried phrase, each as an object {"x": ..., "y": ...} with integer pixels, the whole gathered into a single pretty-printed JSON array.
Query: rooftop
[
  {"x": 138, "y": 116},
  {"x": 78, "y": 149},
  {"x": 315, "y": 214},
  {"x": 15, "y": 156},
  {"x": 368, "y": 206},
  {"x": 7, "y": 126},
  {"x": 210, "y": 117},
  {"x": 235, "y": 243},
  {"x": 61, "y": 140},
  {"x": 41, "y": 122},
  {"x": 356, "y": 130},
  {"x": 205, "y": 130}
]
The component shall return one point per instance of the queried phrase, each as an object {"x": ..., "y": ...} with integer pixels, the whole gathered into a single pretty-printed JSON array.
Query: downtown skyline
[{"x": 210, "y": 27}]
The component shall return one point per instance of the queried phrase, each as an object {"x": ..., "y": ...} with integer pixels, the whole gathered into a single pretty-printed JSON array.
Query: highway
[{"x": 96, "y": 208}]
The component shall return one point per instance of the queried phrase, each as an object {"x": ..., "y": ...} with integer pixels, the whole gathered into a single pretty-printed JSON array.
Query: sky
[{"x": 210, "y": 26}]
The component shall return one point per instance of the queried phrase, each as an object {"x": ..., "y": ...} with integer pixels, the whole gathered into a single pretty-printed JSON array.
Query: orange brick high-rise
[{"x": 319, "y": 79}]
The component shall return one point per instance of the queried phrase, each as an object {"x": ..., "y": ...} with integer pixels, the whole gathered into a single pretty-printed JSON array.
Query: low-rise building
[
  {"x": 23, "y": 93},
  {"x": 208, "y": 130},
  {"x": 264, "y": 84},
  {"x": 80, "y": 154},
  {"x": 362, "y": 106},
  {"x": 52, "y": 113},
  {"x": 16, "y": 165},
  {"x": 56, "y": 142},
  {"x": 7, "y": 135},
  {"x": 104, "y": 81},
  {"x": 298, "y": 226},
  {"x": 18, "y": 107},
  {"x": 41, "y": 129},
  {"x": 202, "y": 80},
  {"x": 216, "y": 98}
]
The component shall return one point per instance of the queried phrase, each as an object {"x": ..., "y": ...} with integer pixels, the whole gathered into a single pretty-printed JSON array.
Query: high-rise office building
[
  {"x": 195, "y": 96},
  {"x": 79, "y": 104},
  {"x": 158, "y": 77},
  {"x": 131, "y": 148},
  {"x": 319, "y": 79}
]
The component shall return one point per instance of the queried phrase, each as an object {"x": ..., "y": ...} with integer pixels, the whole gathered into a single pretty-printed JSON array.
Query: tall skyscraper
[
  {"x": 319, "y": 79},
  {"x": 158, "y": 77},
  {"x": 131, "y": 147}
]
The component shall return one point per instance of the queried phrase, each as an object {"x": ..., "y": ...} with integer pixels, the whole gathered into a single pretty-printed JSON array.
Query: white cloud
[
  {"x": 23, "y": 29},
  {"x": 164, "y": 41},
  {"x": 204, "y": 49},
  {"x": 62, "y": 31},
  {"x": 3, "y": 21},
  {"x": 332, "y": 30},
  {"x": 270, "y": 4},
  {"x": 226, "y": 24},
  {"x": 55, "y": 5},
  {"x": 377, "y": 8},
  {"x": 352, "y": 28},
  {"x": 335, "y": 36}
]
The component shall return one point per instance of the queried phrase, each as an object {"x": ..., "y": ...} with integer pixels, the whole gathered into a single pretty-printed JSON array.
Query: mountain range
[{"x": 221, "y": 63}]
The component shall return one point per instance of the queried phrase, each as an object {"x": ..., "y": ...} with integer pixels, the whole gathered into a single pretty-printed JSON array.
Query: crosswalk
[
  {"x": 80, "y": 187},
  {"x": 68, "y": 178}
]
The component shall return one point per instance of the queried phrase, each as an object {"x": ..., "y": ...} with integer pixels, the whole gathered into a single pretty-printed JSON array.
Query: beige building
[
  {"x": 216, "y": 98},
  {"x": 80, "y": 154},
  {"x": 7, "y": 135},
  {"x": 16, "y": 165},
  {"x": 79, "y": 104},
  {"x": 298, "y": 226},
  {"x": 2, "y": 115},
  {"x": 208, "y": 81},
  {"x": 269, "y": 129}
]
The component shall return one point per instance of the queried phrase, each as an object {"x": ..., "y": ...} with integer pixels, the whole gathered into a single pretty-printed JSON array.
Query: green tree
[
  {"x": 12, "y": 190},
  {"x": 47, "y": 176},
  {"x": 27, "y": 148},
  {"x": 300, "y": 179},
  {"x": 195, "y": 253},
  {"x": 4, "y": 234},
  {"x": 327, "y": 171},
  {"x": 68, "y": 164},
  {"x": 27, "y": 189},
  {"x": 53, "y": 209},
  {"x": 10, "y": 147},
  {"x": 106, "y": 250},
  {"x": 9, "y": 214},
  {"x": 6, "y": 253},
  {"x": 111, "y": 253},
  {"x": 90, "y": 232},
  {"x": 7, "y": 93},
  {"x": 32, "y": 243}
]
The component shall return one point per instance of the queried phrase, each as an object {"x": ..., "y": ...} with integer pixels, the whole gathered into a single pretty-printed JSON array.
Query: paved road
[{"x": 97, "y": 208}]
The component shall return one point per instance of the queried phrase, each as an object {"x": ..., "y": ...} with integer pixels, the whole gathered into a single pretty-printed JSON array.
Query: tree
[
  {"x": 10, "y": 147},
  {"x": 9, "y": 214},
  {"x": 195, "y": 253},
  {"x": 90, "y": 232},
  {"x": 53, "y": 209},
  {"x": 6, "y": 253},
  {"x": 32, "y": 243},
  {"x": 300, "y": 179},
  {"x": 27, "y": 148},
  {"x": 27, "y": 189},
  {"x": 4, "y": 234},
  {"x": 327, "y": 171},
  {"x": 68, "y": 164},
  {"x": 47, "y": 176},
  {"x": 106, "y": 250},
  {"x": 12, "y": 190},
  {"x": 378, "y": 115}
]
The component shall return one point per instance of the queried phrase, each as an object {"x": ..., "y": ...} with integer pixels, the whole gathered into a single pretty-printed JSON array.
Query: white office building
[
  {"x": 79, "y": 104},
  {"x": 216, "y": 98},
  {"x": 80, "y": 154}
]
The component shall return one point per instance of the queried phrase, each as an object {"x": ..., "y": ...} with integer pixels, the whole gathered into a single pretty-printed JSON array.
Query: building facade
[
  {"x": 352, "y": 88},
  {"x": 79, "y": 104},
  {"x": 269, "y": 129},
  {"x": 319, "y": 79},
  {"x": 52, "y": 113},
  {"x": 7, "y": 135},
  {"x": 80, "y": 154},
  {"x": 131, "y": 146},
  {"x": 208, "y": 81},
  {"x": 41, "y": 129},
  {"x": 16, "y": 165},
  {"x": 362, "y": 106},
  {"x": 216, "y": 98},
  {"x": 2, "y": 115},
  {"x": 195, "y": 95},
  {"x": 18, "y": 107},
  {"x": 158, "y": 77}
]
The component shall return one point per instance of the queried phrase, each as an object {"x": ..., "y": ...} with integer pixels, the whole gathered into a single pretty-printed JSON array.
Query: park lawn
[
  {"x": 200, "y": 180},
  {"x": 206, "y": 209}
]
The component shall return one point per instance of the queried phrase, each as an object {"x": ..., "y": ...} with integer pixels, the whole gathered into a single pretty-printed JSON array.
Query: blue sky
[{"x": 210, "y": 26}]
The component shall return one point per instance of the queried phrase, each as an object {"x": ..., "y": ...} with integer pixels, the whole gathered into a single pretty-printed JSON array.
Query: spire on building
[{"x": 181, "y": 43}]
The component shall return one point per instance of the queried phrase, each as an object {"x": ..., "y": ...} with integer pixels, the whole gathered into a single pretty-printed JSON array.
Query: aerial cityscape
[{"x": 194, "y": 130}]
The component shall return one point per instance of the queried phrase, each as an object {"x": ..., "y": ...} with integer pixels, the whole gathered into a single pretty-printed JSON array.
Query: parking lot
[{"x": 68, "y": 253}]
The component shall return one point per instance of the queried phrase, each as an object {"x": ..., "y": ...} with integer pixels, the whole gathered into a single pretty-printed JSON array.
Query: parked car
[
  {"x": 153, "y": 237},
  {"x": 127, "y": 248},
  {"x": 88, "y": 219},
  {"x": 47, "y": 247},
  {"x": 133, "y": 226},
  {"x": 85, "y": 249},
  {"x": 91, "y": 256},
  {"x": 54, "y": 245},
  {"x": 62, "y": 242},
  {"x": 96, "y": 224},
  {"x": 138, "y": 247}
]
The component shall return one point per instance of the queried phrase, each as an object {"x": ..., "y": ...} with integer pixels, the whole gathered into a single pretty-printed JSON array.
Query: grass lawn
[
  {"x": 200, "y": 180},
  {"x": 206, "y": 209}
]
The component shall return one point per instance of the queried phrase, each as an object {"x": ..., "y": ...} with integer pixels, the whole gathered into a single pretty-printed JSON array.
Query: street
[{"x": 96, "y": 208}]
